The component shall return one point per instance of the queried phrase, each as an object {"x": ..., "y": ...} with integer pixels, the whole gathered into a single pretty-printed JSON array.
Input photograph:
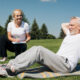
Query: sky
[{"x": 50, "y": 12}]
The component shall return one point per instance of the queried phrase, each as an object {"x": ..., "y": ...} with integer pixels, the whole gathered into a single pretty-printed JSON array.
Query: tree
[
  {"x": 44, "y": 31},
  {"x": 35, "y": 30},
  {"x": 2, "y": 30},
  {"x": 50, "y": 36},
  {"x": 8, "y": 20},
  {"x": 62, "y": 35}
]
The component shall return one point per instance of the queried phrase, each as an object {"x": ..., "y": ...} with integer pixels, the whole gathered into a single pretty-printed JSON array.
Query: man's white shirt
[{"x": 70, "y": 49}]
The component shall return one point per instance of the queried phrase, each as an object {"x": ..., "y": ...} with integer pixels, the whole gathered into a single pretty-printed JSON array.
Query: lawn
[{"x": 52, "y": 44}]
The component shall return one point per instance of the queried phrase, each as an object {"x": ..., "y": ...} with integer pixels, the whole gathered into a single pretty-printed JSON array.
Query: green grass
[{"x": 52, "y": 44}]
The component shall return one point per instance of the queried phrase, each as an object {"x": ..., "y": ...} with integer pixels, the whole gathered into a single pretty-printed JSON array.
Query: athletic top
[{"x": 19, "y": 32}]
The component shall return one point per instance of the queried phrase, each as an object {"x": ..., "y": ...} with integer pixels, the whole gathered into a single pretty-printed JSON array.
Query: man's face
[
  {"x": 18, "y": 16},
  {"x": 74, "y": 27}
]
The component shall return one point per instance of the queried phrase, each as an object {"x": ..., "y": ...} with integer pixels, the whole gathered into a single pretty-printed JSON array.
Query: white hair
[{"x": 78, "y": 19}]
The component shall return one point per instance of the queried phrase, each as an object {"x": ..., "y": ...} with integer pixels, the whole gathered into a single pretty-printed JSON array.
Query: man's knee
[
  {"x": 33, "y": 46},
  {"x": 39, "y": 48}
]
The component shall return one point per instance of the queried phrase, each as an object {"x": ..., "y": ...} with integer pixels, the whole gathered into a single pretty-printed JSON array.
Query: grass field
[{"x": 50, "y": 44}]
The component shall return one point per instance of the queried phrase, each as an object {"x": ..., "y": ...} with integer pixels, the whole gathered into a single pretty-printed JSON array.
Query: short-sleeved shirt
[
  {"x": 19, "y": 33},
  {"x": 70, "y": 49}
]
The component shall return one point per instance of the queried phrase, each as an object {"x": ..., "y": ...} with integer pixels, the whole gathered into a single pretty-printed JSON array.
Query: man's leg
[{"x": 43, "y": 56}]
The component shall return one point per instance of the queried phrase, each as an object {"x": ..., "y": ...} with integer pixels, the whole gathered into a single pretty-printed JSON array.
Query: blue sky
[{"x": 50, "y": 12}]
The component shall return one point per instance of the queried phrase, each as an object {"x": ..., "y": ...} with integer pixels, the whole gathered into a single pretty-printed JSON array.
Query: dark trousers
[{"x": 5, "y": 45}]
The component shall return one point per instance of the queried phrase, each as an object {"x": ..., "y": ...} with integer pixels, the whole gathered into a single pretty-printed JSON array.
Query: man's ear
[{"x": 79, "y": 28}]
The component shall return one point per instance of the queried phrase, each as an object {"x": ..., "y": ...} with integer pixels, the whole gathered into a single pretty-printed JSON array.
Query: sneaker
[
  {"x": 3, "y": 71},
  {"x": 4, "y": 59},
  {"x": 11, "y": 68}
]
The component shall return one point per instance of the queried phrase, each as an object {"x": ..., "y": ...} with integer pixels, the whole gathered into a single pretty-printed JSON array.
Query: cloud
[{"x": 48, "y": 0}]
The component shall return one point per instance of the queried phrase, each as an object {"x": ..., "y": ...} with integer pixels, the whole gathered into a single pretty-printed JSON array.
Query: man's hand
[{"x": 65, "y": 27}]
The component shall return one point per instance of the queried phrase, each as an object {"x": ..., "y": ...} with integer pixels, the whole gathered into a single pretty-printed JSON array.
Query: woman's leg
[
  {"x": 19, "y": 48},
  {"x": 3, "y": 46},
  {"x": 10, "y": 45}
]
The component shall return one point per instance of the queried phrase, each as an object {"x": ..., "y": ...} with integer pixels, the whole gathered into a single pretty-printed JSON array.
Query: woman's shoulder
[
  {"x": 10, "y": 23},
  {"x": 25, "y": 24}
]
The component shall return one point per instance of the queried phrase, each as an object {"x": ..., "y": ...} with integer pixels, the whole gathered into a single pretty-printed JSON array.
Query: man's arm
[{"x": 65, "y": 27}]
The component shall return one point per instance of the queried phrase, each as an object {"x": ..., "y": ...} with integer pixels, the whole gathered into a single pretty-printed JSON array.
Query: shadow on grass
[{"x": 11, "y": 57}]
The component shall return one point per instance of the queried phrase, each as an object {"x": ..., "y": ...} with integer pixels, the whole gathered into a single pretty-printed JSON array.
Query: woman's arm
[
  {"x": 28, "y": 37},
  {"x": 12, "y": 39}
]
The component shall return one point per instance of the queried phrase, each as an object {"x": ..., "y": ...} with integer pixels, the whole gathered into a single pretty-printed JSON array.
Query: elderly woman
[{"x": 17, "y": 36}]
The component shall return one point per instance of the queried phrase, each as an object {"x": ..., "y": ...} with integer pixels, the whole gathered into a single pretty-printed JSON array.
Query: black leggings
[{"x": 5, "y": 45}]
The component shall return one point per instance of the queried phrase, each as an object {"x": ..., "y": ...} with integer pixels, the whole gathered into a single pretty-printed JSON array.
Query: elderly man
[{"x": 65, "y": 60}]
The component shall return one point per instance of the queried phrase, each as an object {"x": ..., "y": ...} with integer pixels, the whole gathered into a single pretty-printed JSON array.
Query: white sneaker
[
  {"x": 3, "y": 71},
  {"x": 4, "y": 59},
  {"x": 11, "y": 68}
]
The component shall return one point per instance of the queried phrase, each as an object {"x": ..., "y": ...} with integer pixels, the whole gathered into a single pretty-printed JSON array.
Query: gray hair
[{"x": 77, "y": 18}]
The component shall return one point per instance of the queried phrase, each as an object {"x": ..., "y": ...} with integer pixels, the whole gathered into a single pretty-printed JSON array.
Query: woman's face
[{"x": 18, "y": 16}]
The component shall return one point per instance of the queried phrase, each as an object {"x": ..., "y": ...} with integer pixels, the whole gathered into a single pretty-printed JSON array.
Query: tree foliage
[
  {"x": 35, "y": 30},
  {"x": 50, "y": 36},
  {"x": 2, "y": 30},
  {"x": 8, "y": 20},
  {"x": 44, "y": 31},
  {"x": 62, "y": 35}
]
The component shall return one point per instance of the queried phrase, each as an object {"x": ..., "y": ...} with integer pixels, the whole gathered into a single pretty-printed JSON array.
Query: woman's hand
[{"x": 16, "y": 40}]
